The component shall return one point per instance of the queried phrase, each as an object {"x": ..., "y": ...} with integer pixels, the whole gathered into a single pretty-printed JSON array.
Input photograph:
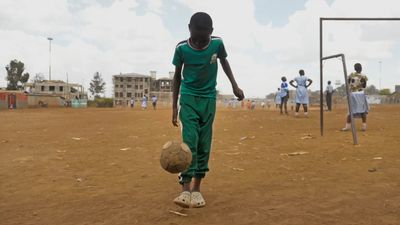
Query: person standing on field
[
  {"x": 195, "y": 61},
  {"x": 329, "y": 93},
  {"x": 301, "y": 92}
]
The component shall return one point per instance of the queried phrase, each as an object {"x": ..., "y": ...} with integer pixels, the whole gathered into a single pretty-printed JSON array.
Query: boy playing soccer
[
  {"x": 198, "y": 57},
  {"x": 301, "y": 92}
]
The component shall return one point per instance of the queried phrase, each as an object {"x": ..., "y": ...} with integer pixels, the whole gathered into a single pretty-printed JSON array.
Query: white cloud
[
  {"x": 296, "y": 45},
  {"x": 112, "y": 38},
  {"x": 41, "y": 17},
  {"x": 155, "y": 6},
  {"x": 106, "y": 39}
]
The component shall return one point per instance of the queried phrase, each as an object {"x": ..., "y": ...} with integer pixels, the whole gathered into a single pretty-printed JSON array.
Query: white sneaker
[
  {"x": 183, "y": 200},
  {"x": 197, "y": 200}
]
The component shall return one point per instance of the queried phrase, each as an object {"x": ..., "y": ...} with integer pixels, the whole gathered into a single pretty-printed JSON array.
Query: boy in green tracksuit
[{"x": 198, "y": 57}]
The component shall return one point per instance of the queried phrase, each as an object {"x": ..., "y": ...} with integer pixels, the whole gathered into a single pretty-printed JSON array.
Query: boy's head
[
  {"x": 283, "y": 79},
  {"x": 279, "y": 89},
  {"x": 358, "y": 67},
  {"x": 201, "y": 27},
  {"x": 301, "y": 72},
  {"x": 329, "y": 82}
]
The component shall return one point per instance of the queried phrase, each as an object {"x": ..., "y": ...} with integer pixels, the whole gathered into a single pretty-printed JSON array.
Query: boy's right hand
[
  {"x": 238, "y": 93},
  {"x": 175, "y": 117}
]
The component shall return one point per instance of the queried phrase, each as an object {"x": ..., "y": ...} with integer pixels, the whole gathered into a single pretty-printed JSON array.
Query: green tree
[
  {"x": 15, "y": 75},
  {"x": 341, "y": 90},
  {"x": 385, "y": 91},
  {"x": 97, "y": 85},
  {"x": 270, "y": 95},
  {"x": 371, "y": 90}
]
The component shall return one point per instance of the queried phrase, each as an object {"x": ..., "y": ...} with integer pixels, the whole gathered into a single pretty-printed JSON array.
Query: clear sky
[{"x": 265, "y": 39}]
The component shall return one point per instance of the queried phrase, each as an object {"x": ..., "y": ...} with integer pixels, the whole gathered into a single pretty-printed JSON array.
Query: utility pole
[
  {"x": 50, "y": 39},
  {"x": 380, "y": 74}
]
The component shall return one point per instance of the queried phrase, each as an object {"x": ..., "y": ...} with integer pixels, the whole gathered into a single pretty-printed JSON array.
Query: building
[
  {"x": 13, "y": 99},
  {"x": 162, "y": 88},
  {"x": 130, "y": 86},
  {"x": 134, "y": 86},
  {"x": 55, "y": 93},
  {"x": 163, "y": 84},
  {"x": 397, "y": 88},
  {"x": 56, "y": 88}
]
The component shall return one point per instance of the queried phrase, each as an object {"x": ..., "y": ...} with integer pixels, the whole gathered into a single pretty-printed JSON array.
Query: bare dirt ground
[{"x": 101, "y": 166}]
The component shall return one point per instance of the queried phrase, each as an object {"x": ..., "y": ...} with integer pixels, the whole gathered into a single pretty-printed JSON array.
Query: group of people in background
[
  {"x": 144, "y": 101},
  {"x": 356, "y": 81},
  {"x": 301, "y": 83}
]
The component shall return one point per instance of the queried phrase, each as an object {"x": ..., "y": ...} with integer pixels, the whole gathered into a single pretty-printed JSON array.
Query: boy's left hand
[
  {"x": 175, "y": 117},
  {"x": 238, "y": 93}
]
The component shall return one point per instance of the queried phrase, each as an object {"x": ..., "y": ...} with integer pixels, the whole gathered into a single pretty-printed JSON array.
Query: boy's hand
[
  {"x": 175, "y": 117},
  {"x": 238, "y": 93}
]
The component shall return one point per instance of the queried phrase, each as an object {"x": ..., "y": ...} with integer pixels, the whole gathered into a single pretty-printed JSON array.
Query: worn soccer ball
[
  {"x": 175, "y": 157},
  {"x": 355, "y": 83},
  {"x": 358, "y": 82}
]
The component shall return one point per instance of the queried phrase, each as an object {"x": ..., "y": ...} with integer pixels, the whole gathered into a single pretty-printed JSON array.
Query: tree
[
  {"x": 15, "y": 75},
  {"x": 270, "y": 96},
  {"x": 97, "y": 85},
  {"x": 385, "y": 91},
  {"x": 39, "y": 77},
  {"x": 371, "y": 90},
  {"x": 341, "y": 91}
]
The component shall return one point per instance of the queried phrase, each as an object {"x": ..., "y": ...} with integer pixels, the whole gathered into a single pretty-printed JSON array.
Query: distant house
[
  {"x": 163, "y": 85},
  {"x": 130, "y": 86},
  {"x": 13, "y": 99},
  {"x": 134, "y": 86},
  {"x": 54, "y": 93},
  {"x": 162, "y": 88},
  {"x": 57, "y": 88},
  {"x": 397, "y": 88}
]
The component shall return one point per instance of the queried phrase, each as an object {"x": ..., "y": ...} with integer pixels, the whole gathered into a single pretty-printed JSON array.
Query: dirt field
[{"x": 101, "y": 166}]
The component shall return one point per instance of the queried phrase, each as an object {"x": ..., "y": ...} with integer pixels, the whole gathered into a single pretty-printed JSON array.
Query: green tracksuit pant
[{"x": 197, "y": 116}]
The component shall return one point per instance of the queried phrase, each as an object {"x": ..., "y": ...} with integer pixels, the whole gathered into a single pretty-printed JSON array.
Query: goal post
[
  {"x": 353, "y": 127},
  {"x": 322, "y": 58}
]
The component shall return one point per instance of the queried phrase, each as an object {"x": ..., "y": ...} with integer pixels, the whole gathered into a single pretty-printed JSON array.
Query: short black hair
[
  {"x": 301, "y": 72},
  {"x": 283, "y": 78},
  {"x": 201, "y": 20},
  {"x": 329, "y": 82},
  {"x": 358, "y": 67}
]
